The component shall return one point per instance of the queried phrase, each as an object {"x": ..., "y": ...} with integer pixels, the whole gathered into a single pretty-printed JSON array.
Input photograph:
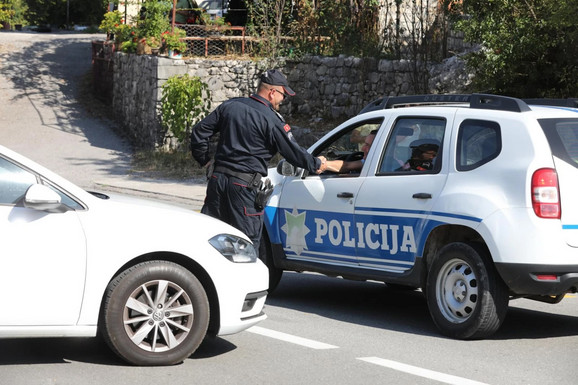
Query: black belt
[{"x": 253, "y": 180}]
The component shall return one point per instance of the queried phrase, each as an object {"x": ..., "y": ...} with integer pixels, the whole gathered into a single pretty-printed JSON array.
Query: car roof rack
[
  {"x": 480, "y": 101},
  {"x": 569, "y": 102},
  {"x": 413, "y": 100}
]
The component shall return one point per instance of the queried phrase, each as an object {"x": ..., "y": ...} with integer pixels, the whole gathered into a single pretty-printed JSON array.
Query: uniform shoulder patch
[{"x": 287, "y": 128}]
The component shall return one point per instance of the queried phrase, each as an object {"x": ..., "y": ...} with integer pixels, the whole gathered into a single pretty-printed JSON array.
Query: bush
[{"x": 185, "y": 101}]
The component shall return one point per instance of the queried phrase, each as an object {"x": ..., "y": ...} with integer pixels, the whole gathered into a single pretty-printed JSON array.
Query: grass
[{"x": 166, "y": 165}]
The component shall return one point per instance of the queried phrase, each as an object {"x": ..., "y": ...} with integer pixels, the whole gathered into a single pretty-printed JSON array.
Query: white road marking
[
  {"x": 417, "y": 371},
  {"x": 290, "y": 338}
]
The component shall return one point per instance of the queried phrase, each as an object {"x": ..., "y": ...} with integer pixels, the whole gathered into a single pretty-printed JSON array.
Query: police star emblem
[{"x": 296, "y": 231}]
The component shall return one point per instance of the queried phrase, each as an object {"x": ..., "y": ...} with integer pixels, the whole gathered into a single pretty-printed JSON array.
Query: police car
[{"x": 470, "y": 198}]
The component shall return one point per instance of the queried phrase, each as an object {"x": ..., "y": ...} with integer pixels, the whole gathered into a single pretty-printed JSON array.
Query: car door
[
  {"x": 315, "y": 213},
  {"x": 393, "y": 207},
  {"x": 42, "y": 256}
]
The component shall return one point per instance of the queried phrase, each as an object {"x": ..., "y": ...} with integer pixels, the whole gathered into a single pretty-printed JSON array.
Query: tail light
[{"x": 545, "y": 193}]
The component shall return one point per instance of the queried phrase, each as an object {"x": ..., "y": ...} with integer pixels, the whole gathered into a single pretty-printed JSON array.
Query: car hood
[
  {"x": 153, "y": 220},
  {"x": 137, "y": 201}
]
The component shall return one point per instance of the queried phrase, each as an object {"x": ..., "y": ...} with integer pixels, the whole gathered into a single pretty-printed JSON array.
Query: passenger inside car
[{"x": 423, "y": 153}]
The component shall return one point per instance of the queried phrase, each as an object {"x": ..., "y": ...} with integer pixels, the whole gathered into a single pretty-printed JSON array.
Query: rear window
[
  {"x": 562, "y": 135},
  {"x": 479, "y": 141}
]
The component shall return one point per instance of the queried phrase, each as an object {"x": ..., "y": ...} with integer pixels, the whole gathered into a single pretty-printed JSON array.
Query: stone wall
[{"x": 328, "y": 87}]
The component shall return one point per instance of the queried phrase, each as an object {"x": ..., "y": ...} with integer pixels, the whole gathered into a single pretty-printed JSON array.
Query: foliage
[
  {"x": 152, "y": 41},
  {"x": 6, "y": 11},
  {"x": 111, "y": 22},
  {"x": 172, "y": 40},
  {"x": 152, "y": 30},
  {"x": 124, "y": 32},
  {"x": 351, "y": 25},
  {"x": 529, "y": 47},
  {"x": 155, "y": 20},
  {"x": 12, "y": 11},
  {"x": 61, "y": 12},
  {"x": 266, "y": 20},
  {"x": 206, "y": 19},
  {"x": 326, "y": 27},
  {"x": 185, "y": 101},
  {"x": 166, "y": 164},
  {"x": 20, "y": 8},
  {"x": 129, "y": 46}
]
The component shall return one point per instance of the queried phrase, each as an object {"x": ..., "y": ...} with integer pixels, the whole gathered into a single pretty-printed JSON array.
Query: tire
[
  {"x": 266, "y": 256},
  {"x": 466, "y": 297},
  {"x": 155, "y": 313}
]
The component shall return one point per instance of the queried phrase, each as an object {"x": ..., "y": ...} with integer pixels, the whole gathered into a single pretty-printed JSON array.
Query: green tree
[
  {"x": 60, "y": 12},
  {"x": 529, "y": 48}
]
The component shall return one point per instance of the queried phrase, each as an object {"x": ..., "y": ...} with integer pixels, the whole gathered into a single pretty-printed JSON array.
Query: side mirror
[
  {"x": 43, "y": 198},
  {"x": 285, "y": 168}
]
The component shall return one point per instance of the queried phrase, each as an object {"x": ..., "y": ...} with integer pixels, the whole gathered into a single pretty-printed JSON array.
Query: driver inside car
[{"x": 343, "y": 166}]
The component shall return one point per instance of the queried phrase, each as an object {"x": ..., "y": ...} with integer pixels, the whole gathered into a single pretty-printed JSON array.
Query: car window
[
  {"x": 14, "y": 181},
  {"x": 562, "y": 136},
  {"x": 414, "y": 146},
  {"x": 347, "y": 145},
  {"x": 479, "y": 142},
  {"x": 64, "y": 198}
]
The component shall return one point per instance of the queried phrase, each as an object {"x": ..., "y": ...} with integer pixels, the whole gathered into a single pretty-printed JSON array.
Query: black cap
[
  {"x": 425, "y": 144},
  {"x": 276, "y": 78}
]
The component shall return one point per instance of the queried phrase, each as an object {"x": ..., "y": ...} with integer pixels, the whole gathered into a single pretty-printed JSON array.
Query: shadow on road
[
  {"x": 28, "y": 351},
  {"x": 374, "y": 304},
  {"x": 49, "y": 75}
]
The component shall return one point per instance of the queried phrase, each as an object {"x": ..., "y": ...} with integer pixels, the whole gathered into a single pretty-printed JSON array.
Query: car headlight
[{"x": 234, "y": 248}]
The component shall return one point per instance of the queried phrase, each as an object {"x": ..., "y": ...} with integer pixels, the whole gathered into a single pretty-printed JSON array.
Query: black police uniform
[{"x": 251, "y": 133}]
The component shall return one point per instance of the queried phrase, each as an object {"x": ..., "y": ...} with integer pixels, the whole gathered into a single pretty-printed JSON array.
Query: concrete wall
[{"x": 329, "y": 87}]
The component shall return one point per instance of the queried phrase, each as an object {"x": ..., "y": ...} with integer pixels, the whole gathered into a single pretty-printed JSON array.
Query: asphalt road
[
  {"x": 40, "y": 116},
  {"x": 329, "y": 331},
  {"x": 320, "y": 330}
]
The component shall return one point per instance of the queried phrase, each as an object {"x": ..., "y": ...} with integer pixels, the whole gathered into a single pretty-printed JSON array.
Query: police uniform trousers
[{"x": 231, "y": 200}]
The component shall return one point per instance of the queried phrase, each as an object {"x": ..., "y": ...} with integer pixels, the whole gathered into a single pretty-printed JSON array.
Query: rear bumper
[{"x": 533, "y": 279}]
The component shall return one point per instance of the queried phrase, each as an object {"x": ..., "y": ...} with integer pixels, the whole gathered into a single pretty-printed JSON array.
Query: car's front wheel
[
  {"x": 266, "y": 256},
  {"x": 155, "y": 313},
  {"x": 466, "y": 297}
]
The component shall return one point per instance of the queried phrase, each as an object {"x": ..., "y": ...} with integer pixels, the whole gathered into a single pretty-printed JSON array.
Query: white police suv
[{"x": 471, "y": 198}]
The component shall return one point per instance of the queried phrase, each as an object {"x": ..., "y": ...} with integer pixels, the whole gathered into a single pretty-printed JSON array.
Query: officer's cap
[
  {"x": 426, "y": 144},
  {"x": 276, "y": 78}
]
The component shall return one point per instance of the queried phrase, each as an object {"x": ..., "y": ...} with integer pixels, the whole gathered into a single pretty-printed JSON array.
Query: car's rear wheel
[
  {"x": 155, "y": 313},
  {"x": 466, "y": 297}
]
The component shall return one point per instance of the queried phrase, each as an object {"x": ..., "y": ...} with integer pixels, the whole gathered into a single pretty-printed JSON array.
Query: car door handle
[
  {"x": 345, "y": 195},
  {"x": 422, "y": 196}
]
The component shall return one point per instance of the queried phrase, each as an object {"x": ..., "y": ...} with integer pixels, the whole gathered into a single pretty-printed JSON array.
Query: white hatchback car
[
  {"x": 469, "y": 197},
  {"x": 153, "y": 279}
]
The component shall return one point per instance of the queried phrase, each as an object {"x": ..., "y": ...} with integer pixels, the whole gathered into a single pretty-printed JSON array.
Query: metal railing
[{"x": 205, "y": 40}]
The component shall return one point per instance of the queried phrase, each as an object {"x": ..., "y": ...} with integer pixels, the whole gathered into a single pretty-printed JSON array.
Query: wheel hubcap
[
  {"x": 158, "y": 316},
  {"x": 457, "y": 290}
]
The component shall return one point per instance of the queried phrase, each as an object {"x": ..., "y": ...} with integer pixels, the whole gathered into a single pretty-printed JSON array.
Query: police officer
[{"x": 251, "y": 132}]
